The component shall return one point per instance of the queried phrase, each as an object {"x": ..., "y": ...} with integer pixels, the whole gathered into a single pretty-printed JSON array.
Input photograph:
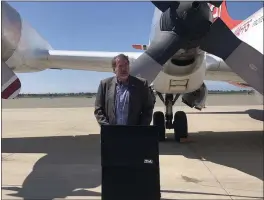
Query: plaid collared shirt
[{"x": 122, "y": 103}]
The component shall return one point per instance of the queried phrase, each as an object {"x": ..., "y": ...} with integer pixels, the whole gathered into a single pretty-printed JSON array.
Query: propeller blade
[
  {"x": 243, "y": 59},
  {"x": 151, "y": 62},
  {"x": 11, "y": 85},
  {"x": 164, "y": 5},
  {"x": 216, "y": 3}
]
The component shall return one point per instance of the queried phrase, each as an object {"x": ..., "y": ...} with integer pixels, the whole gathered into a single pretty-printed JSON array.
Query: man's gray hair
[{"x": 119, "y": 56}]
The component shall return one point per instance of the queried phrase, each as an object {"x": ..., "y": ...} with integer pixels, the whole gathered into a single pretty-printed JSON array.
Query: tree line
[
  {"x": 79, "y": 94},
  {"x": 90, "y": 94}
]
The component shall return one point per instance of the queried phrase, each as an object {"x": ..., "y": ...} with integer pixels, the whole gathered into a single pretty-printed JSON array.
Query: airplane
[{"x": 190, "y": 42}]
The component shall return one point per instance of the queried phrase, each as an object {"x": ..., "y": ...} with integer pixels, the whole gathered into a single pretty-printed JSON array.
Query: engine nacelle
[
  {"x": 21, "y": 44},
  {"x": 197, "y": 98},
  {"x": 179, "y": 79}
]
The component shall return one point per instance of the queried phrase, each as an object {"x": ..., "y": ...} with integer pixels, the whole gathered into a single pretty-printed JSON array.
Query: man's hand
[
  {"x": 148, "y": 105},
  {"x": 152, "y": 95},
  {"x": 99, "y": 111}
]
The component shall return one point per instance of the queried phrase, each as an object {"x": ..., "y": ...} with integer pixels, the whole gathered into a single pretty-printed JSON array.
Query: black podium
[{"x": 130, "y": 163}]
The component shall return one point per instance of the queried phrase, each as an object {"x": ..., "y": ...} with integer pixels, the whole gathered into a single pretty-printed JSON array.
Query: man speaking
[{"x": 123, "y": 99}]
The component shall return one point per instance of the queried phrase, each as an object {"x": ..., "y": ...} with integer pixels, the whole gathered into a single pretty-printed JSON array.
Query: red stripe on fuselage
[{"x": 222, "y": 12}]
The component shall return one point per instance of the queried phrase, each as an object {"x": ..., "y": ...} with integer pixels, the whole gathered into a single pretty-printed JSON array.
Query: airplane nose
[{"x": 11, "y": 30}]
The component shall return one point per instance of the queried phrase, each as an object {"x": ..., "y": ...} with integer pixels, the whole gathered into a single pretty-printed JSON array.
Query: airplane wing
[
  {"x": 99, "y": 61},
  {"x": 218, "y": 70}
]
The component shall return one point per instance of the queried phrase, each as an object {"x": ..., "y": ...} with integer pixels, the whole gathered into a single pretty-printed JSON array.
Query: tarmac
[{"x": 51, "y": 150}]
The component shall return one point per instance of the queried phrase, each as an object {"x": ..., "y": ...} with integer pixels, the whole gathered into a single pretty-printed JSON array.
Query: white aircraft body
[{"x": 183, "y": 73}]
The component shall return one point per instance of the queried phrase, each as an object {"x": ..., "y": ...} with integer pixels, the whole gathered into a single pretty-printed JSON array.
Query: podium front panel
[
  {"x": 130, "y": 146},
  {"x": 130, "y": 183}
]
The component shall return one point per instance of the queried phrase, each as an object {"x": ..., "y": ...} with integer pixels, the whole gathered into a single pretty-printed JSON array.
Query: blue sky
[{"x": 95, "y": 26}]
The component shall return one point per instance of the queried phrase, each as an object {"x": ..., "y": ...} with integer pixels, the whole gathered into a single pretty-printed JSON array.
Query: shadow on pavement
[
  {"x": 242, "y": 150},
  {"x": 74, "y": 162},
  {"x": 253, "y": 113},
  {"x": 204, "y": 193},
  {"x": 70, "y": 163}
]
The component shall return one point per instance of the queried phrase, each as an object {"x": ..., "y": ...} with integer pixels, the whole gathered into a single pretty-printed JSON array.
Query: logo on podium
[{"x": 148, "y": 161}]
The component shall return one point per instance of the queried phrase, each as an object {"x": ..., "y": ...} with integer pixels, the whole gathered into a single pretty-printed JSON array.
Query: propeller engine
[
  {"x": 187, "y": 25},
  {"x": 182, "y": 26},
  {"x": 11, "y": 34}
]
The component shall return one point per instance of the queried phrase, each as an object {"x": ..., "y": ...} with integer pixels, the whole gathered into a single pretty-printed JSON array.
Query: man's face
[{"x": 122, "y": 69}]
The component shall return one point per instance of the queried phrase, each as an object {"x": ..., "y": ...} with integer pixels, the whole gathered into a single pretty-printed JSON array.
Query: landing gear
[
  {"x": 180, "y": 126},
  {"x": 167, "y": 121},
  {"x": 158, "y": 120}
]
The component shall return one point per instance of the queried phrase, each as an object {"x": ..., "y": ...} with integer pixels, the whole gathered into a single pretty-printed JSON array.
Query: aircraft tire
[
  {"x": 159, "y": 121},
  {"x": 180, "y": 125}
]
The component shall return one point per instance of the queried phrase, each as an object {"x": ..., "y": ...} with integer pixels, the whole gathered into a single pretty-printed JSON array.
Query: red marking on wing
[
  {"x": 241, "y": 85},
  {"x": 13, "y": 87}
]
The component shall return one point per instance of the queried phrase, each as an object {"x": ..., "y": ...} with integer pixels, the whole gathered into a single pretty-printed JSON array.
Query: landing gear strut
[{"x": 178, "y": 122}]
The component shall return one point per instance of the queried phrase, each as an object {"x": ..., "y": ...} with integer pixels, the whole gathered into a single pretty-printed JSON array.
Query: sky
[{"x": 95, "y": 26}]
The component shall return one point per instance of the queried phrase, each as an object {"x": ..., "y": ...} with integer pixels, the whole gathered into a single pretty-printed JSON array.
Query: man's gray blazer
[{"x": 141, "y": 103}]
